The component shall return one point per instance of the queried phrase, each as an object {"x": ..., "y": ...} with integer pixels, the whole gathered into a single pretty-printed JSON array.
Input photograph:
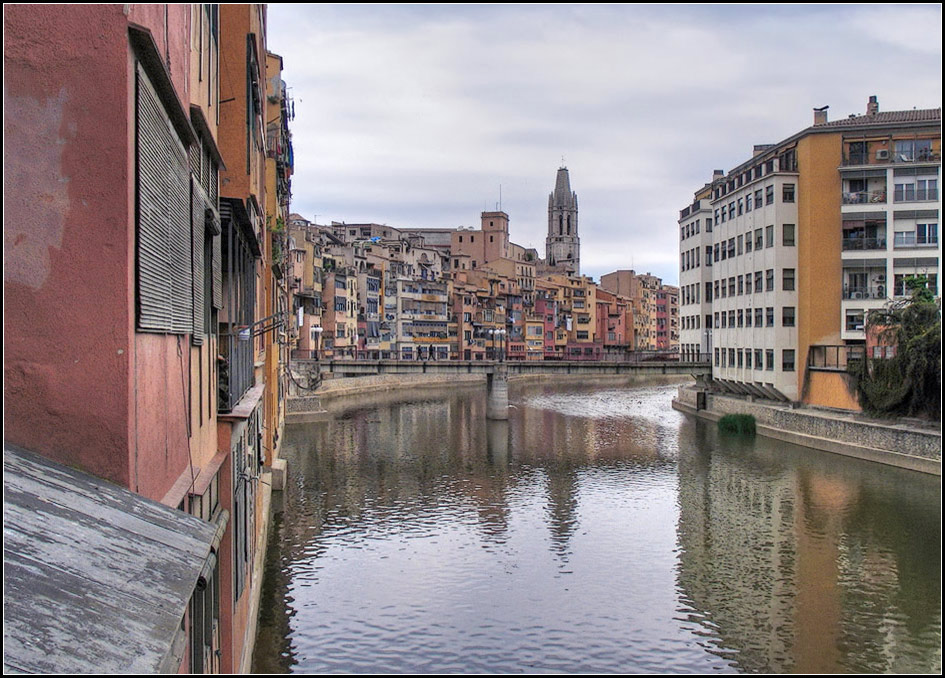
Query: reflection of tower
[{"x": 563, "y": 246}]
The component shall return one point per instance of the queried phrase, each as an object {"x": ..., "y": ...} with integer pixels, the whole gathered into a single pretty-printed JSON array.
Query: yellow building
[{"x": 807, "y": 237}]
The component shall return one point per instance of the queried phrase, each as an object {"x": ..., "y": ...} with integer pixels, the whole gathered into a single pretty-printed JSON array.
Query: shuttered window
[{"x": 165, "y": 276}]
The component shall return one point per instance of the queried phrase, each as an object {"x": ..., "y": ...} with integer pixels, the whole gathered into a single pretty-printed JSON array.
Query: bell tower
[{"x": 563, "y": 246}]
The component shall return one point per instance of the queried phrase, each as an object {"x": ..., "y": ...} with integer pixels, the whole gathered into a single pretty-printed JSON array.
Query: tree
[{"x": 910, "y": 382}]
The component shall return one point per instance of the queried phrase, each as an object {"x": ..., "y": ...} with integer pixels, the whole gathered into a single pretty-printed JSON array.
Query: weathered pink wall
[
  {"x": 66, "y": 239},
  {"x": 81, "y": 386}
]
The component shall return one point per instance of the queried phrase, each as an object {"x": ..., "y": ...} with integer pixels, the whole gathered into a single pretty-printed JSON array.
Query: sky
[{"x": 420, "y": 116}]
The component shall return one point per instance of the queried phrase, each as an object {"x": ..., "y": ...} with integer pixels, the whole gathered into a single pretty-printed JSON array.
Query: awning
[{"x": 96, "y": 578}]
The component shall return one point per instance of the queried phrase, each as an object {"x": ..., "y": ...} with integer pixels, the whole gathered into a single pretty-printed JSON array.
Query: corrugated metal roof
[{"x": 96, "y": 578}]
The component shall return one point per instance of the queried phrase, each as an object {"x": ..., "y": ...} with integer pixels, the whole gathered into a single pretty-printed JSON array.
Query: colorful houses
[{"x": 142, "y": 303}]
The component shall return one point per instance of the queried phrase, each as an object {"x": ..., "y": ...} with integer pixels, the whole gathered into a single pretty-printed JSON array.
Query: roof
[
  {"x": 886, "y": 118},
  {"x": 96, "y": 578}
]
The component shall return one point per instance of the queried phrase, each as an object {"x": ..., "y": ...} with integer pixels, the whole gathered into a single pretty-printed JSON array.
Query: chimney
[
  {"x": 717, "y": 174},
  {"x": 820, "y": 115},
  {"x": 872, "y": 108}
]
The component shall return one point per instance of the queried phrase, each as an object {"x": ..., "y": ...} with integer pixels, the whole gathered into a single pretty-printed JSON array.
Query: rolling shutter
[
  {"x": 164, "y": 265},
  {"x": 198, "y": 218}
]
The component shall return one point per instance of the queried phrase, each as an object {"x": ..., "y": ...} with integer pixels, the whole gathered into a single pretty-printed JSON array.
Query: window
[
  {"x": 748, "y": 203},
  {"x": 741, "y": 205},
  {"x": 787, "y": 279},
  {"x": 787, "y": 235},
  {"x": 758, "y": 364},
  {"x": 758, "y": 202},
  {"x": 731, "y": 248},
  {"x": 759, "y": 239},
  {"x": 741, "y": 285},
  {"x": 748, "y": 358},
  {"x": 165, "y": 232},
  {"x": 741, "y": 318},
  {"x": 731, "y": 357},
  {"x": 769, "y": 280},
  {"x": 769, "y": 195},
  {"x": 854, "y": 320},
  {"x": 748, "y": 283},
  {"x": 731, "y": 318},
  {"x": 716, "y": 357},
  {"x": 787, "y": 193},
  {"x": 731, "y": 210},
  {"x": 748, "y": 318},
  {"x": 759, "y": 317},
  {"x": 769, "y": 236},
  {"x": 787, "y": 316},
  {"x": 769, "y": 359},
  {"x": 741, "y": 240},
  {"x": 769, "y": 316},
  {"x": 913, "y": 149},
  {"x": 758, "y": 281},
  {"x": 731, "y": 286},
  {"x": 748, "y": 242},
  {"x": 787, "y": 360}
]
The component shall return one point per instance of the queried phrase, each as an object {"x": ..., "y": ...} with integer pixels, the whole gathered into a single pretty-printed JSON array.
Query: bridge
[{"x": 498, "y": 372}]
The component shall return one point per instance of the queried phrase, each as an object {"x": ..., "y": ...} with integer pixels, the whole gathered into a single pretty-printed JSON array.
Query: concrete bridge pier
[{"x": 497, "y": 401}]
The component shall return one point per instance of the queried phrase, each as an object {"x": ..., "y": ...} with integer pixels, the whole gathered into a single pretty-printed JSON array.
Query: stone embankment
[{"x": 911, "y": 445}]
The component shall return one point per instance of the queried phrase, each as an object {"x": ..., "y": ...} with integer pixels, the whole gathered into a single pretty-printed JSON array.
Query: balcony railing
[
  {"x": 863, "y": 197},
  {"x": 236, "y": 370},
  {"x": 910, "y": 194},
  {"x": 837, "y": 358},
  {"x": 874, "y": 292},
  {"x": 864, "y": 243},
  {"x": 910, "y": 240}
]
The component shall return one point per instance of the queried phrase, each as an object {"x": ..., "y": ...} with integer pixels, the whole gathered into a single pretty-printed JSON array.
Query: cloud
[{"x": 414, "y": 115}]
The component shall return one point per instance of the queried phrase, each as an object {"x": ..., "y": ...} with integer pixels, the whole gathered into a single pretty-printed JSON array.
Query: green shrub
[{"x": 737, "y": 423}]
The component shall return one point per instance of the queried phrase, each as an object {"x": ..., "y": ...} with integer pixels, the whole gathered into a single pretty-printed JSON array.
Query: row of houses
[
  {"x": 147, "y": 165},
  {"x": 783, "y": 257},
  {"x": 372, "y": 291}
]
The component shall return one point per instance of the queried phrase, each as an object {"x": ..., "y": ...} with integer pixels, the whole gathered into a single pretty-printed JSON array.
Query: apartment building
[
  {"x": 801, "y": 249},
  {"x": 695, "y": 275},
  {"x": 133, "y": 350}
]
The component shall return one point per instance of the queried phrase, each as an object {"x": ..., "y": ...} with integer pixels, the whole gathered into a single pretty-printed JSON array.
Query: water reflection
[
  {"x": 791, "y": 560},
  {"x": 593, "y": 531}
]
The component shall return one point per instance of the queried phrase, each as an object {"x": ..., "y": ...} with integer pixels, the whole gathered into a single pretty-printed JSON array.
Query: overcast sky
[{"x": 413, "y": 116}]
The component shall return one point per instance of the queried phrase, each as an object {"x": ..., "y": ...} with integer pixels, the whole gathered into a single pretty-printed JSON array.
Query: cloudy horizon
[{"x": 416, "y": 115}]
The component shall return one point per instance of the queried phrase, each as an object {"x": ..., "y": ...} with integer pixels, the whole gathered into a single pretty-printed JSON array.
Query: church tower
[{"x": 562, "y": 246}]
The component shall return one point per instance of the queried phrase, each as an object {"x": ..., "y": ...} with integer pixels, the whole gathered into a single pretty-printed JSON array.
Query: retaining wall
[{"x": 894, "y": 444}]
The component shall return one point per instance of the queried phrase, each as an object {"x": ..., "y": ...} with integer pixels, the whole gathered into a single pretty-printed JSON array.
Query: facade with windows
[{"x": 807, "y": 237}]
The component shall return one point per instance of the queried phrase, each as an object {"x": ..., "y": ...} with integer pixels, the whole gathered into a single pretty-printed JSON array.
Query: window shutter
[
  {"x": 154, "y": 284},
  {"x": 218, "y": 272},
  {"x": 165, "y": 273},
  {"x": 198, "y": 217}
]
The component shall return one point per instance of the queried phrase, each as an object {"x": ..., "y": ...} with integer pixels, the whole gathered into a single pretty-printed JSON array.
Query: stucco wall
[
  {"x": 825, "y": 426},
  {"x": 67, "y": 246}
]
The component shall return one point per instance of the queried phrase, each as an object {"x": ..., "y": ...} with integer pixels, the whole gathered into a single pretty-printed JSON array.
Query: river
[{"x": 597, "y": 530}]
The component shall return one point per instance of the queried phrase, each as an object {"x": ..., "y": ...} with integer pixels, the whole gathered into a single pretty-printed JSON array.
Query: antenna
[{"x": 500, "y": 197}]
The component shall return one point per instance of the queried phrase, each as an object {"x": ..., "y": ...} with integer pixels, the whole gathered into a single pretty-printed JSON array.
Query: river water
[{"x": 595, "y": 531}]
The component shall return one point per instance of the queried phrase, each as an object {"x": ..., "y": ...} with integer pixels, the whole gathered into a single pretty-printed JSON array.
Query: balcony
[
  {"x": 869, "y": 292},
  {"x": 864, "y": 197},
  {"x": 857, "y": 243},
  {"x": 235, "y": 369},
  {"x": 912, "y": 239},
  {"x": 833, "y": 357},
  {"x": 909, "y": 193}
]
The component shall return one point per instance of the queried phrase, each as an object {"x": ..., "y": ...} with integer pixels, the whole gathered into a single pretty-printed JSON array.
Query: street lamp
[
  {"x": 501, "y": 335},
  {"x": 318, "y": 340}
]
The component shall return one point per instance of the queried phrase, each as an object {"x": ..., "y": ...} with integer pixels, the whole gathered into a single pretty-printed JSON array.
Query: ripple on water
[{"x": 597, "y": 532}]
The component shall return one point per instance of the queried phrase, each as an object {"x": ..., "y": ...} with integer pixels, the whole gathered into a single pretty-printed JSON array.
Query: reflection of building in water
[
  {"x": 810, "y": 567},
  {"x": 737, "y": 563}
]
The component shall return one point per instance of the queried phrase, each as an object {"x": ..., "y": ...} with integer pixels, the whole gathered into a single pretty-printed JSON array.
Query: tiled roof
[{"x": 887, "y": 118}]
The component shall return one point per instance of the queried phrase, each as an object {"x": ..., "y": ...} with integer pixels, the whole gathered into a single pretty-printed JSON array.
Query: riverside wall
[{"x": 895, "y": 444}]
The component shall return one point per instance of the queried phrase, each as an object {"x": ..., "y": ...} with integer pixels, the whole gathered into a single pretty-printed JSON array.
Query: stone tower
[{"x": 563, "y": 246}]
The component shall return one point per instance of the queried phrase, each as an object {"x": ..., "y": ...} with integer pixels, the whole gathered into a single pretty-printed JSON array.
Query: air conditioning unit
[{"x": 882, "y": 154}]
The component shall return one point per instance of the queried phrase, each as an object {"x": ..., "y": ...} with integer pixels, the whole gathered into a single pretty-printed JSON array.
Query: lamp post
[
  {"x": 318, "y": 340},
  {"x": 501, "y": 335}
]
